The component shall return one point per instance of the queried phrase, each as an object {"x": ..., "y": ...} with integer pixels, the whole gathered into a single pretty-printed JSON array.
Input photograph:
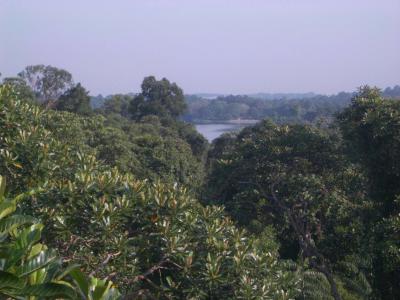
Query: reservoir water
[{"x": 214, "y": 130}]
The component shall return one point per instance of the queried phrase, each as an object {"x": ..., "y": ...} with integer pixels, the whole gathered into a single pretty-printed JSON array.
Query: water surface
[{"x": 214, "y": 130}]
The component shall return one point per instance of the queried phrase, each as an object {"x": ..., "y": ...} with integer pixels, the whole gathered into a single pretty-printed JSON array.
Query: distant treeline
[{"x": 285, "y": 109}]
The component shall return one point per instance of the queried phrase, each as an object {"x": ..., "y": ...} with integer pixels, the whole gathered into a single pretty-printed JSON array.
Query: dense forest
[
  {"x": 126, "y": 200},
  {"x": 281, "y": 108}
]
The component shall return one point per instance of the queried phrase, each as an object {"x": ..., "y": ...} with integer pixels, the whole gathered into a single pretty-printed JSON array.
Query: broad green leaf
[
  {"x": 7, "y": 208},
  {"x": 2, "y": 187},
  {"x": 8, "y": 280},
  {"x": 112, "y": 294},
  {"x": 14, "y": 221},
  {"x": 53, "y": 269},
  {"x": 35, "y": 250},
  {"x": 100, "y": 289},
  {"x": 29, "y": 236},
  {"x": 36, "y": 263},
  {"x": 27, "y": 194},
  {"x": 67, "y": 271},
  {"x": 81, "y": 281},
  {"x": 50, "y": 290},
  {"x": 38, "y": 276},
  {"x": 3, "y": 237}
]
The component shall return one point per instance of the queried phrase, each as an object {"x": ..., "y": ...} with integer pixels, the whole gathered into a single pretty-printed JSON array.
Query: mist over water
[{"x": 213, "y": 131}]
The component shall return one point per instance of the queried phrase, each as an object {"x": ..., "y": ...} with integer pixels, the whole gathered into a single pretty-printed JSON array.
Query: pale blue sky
[{"x": 226, "y": 46}]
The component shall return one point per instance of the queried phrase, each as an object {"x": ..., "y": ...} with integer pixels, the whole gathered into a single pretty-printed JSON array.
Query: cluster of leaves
[
  {"x": 154, "y": 240},
  {"x": 30, "y": 270},
  {"x": 332, "y": 201}
]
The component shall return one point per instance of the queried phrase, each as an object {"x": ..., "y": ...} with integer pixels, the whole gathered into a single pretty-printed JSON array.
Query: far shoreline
[{"x": 233, "y": 121}]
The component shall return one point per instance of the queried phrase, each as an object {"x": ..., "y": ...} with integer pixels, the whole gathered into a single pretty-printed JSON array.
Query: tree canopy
[
  {"x": 47, "y": 82},
  {"x": 158, "y": 97},
  {"x": 153, "y": 239},
  {"x": 331, "y": 194},
  {"x": 75, "y": 100},
  {"x": 128, "y": 201}
]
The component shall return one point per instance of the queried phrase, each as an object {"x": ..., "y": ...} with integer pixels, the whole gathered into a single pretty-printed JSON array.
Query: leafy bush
[{"x": 30, "y": 270}]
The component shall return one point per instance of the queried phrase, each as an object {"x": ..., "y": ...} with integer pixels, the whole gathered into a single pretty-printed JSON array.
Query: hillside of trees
[
  {"x": 280, "y": 108},
  {"x": 127, "y": 201}
]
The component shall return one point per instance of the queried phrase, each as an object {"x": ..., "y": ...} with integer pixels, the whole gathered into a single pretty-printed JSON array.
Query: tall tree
[
  {"x": 371, "y": 131},
  {"x": 158, "y": 97},
  {"x": 75, "y": 100},
  {"x": 47, "y": 82}
]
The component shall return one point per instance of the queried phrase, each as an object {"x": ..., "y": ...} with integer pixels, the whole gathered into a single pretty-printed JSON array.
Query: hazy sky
[{"x": 226, "y": 46}]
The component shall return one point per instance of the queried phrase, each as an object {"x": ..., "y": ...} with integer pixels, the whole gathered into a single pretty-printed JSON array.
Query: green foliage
[
  {"x": 91, "y": 288},
  {"x": 280, "y": 108},
  {"x": 153, "y": 239},
  {"x": 20, "y": 87},
  {"x": 326, "y": 197},
  {"x": 315, "y": 286},
  {"x": 371, "y": 130},
  {"x": 158, "y": 97},
  {"x": 149, "y": 151},
  {"x": 160, "y": 144},
  {"x": 156, "y": 138},
  {"x": 116, "y": 196},
  {"x": 75, "y": 100},
  {"x": 117, "y": 104},
  {"x": 47, "y": 82},
  {"x": 29, "y": 269},
  {"x": 292, "y": 177}
]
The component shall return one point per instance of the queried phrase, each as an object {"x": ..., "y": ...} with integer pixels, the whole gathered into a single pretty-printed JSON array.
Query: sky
[{"x": 214, "y": 46}]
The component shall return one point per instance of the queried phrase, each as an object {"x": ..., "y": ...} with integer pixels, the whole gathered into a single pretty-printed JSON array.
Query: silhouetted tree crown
[
  {"x": 47, "y": 82},
  {"x": 75, "y": 100},
  {"x": 158, "y": 97}
]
